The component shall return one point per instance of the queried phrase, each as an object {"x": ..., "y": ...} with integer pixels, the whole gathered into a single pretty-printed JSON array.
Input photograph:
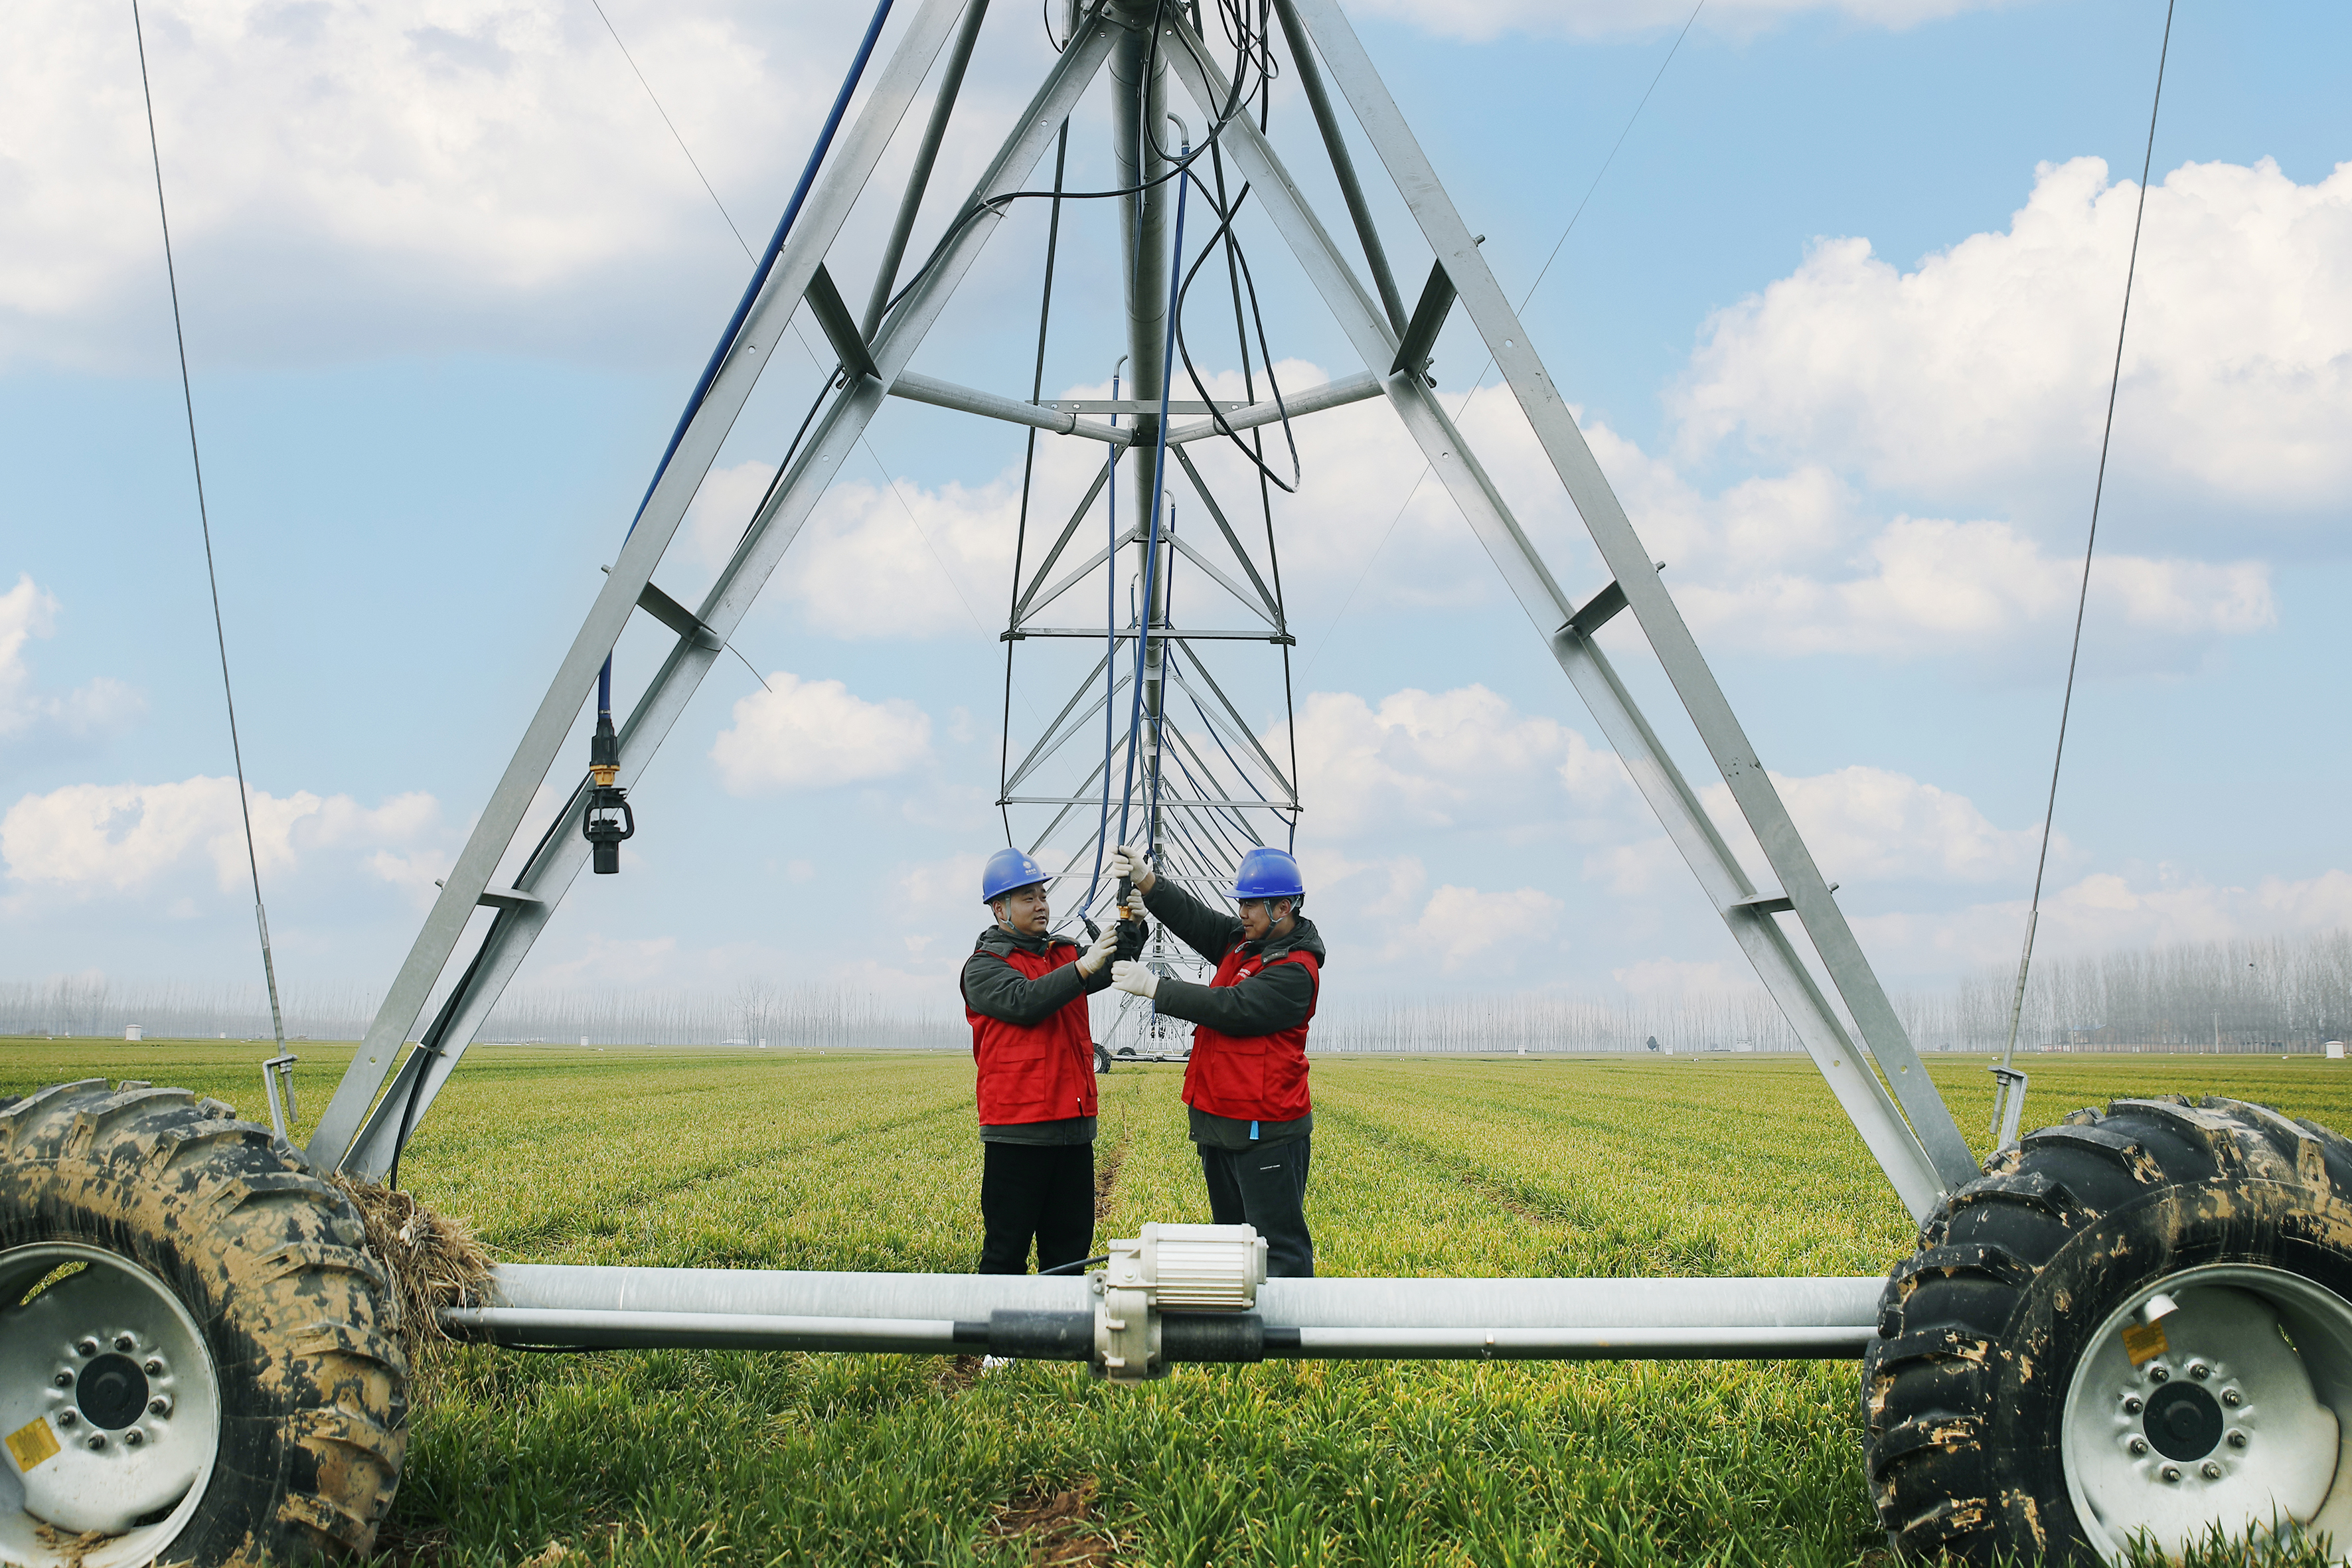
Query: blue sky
[{"x": 1839, "y": 319}]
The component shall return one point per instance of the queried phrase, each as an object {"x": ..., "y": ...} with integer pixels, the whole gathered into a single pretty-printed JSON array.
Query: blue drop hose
[{"x": 752, "y": 295}]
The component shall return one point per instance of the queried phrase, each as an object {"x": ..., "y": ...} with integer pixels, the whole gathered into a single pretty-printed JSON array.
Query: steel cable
[
  {"x": 2090, "y": 543},
  {"x": 204, "y": 524}
]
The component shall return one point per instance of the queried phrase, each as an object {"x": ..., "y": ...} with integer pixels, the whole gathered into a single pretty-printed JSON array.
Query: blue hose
[{"x": 752, "y": 296}]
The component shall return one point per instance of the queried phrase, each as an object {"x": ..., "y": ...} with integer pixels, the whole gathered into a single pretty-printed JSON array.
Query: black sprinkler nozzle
[{"x": 608, "y": 818}]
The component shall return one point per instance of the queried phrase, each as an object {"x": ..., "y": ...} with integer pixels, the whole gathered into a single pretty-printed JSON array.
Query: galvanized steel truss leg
[
  {"x": 341, "y": 1142},
  {"x": 1922, "y": 1156}
]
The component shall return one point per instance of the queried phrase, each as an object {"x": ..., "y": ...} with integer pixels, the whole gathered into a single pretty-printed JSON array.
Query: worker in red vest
[
  {"x": 1247, "y": 1081},
  {"x": 1025, "y": 993}
]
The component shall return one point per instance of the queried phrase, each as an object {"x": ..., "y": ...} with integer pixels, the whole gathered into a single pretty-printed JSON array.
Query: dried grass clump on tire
[{"x": 435, "y": 1260}]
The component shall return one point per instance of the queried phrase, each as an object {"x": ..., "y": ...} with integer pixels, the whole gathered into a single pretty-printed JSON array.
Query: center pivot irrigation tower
[{"x": 2135, "y": 1323}]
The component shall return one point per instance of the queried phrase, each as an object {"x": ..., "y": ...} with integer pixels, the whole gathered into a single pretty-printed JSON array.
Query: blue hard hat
[
  {"x": 1008, "y": 869},
  {"x": 1268, "y": 874}
]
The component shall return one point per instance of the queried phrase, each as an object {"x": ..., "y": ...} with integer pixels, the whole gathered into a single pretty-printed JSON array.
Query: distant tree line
[
  {"x": 2279, "y": 994},
  {"x": 757, "y": 1010},
  {"x": 2269, "y": 994}
]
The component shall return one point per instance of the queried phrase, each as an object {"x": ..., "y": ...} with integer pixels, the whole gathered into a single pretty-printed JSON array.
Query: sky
[{"x": 1838, "y": 317}]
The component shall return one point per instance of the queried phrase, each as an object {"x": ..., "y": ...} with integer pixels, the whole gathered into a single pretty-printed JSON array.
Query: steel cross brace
[
  {"x": 341, "y": 1140},
  {"x": 1924, "y": 1156}
]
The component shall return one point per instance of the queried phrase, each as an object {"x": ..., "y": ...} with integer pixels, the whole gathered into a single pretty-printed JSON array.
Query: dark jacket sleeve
[
  {"x": 994, "y": 987},
  {"x": 1209, "y": 932},
  {"x": 1275, "y": 998}
]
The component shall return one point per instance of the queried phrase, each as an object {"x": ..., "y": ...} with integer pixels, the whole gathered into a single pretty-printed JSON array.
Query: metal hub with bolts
[
  {"x": 2217, "y": 1397},
  {"x": 108, "y": 1403}
]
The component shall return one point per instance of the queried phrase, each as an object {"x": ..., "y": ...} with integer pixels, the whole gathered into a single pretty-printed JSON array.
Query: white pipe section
[
  {"x": 784, "y": 1293},
  {"x": 940, "y": 393},
  {"x": 591, "y": 1329},
  {"x": 1711, "y": 1304},
  {"x": 1313, "y": 400},
  {"x": 1818, "y": 1317},
  {"x": 1577, "y": 1344}
]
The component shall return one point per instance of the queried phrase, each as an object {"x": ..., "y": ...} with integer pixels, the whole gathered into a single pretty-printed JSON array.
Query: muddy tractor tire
[
  {"x": 196, "y": 1362},
  {"x": 2135, "y": 1326}
]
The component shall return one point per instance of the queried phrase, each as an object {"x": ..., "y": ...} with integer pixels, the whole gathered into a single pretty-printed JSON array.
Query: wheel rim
[
  {"x": 111, "y": 1407},
  {"x": 2233, "y": 1412}
]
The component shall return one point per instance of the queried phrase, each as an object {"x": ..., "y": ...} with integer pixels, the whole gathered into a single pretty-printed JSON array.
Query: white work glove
[
  {"x": 1135, "y": 979},
  {"x": 1090, "y": 962},
  {"x": 1129, "y": 862}
]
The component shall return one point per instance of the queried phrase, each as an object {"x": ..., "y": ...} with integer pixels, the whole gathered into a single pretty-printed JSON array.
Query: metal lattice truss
[{"x": 1792, "y": 930}]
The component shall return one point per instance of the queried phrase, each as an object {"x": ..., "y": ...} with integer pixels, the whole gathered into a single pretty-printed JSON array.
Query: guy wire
[
  {"x": 2083, "y": 598},
  {"x": 204, "y": 521}
]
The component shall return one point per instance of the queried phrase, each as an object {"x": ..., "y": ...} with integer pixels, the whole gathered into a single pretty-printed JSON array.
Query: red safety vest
[
  {"x": 1256, "y": 1078},
  {"x": 1044, "y": 1072}
]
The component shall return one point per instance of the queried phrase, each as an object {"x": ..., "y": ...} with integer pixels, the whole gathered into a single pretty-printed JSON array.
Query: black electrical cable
[
  {"x": 429, "y": 1047},
  {"x": 1071, "y": 1267},
  {"x": 204, "y": 525},
  {"x": 1264, "y": 486},
  {"x": 1236, "y": 257},
  {"x": 1029, "y": 465},
  {"x": 2083, "y": 597},
  {"x": 1236, "y": 99}
]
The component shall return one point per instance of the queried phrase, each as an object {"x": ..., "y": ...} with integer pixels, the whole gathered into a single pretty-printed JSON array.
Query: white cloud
[
  {"x": 29, "y": 611},
  {"x": 903, "y": 561},
  {"x": 1986, "y": 365},
  {"x": 1463, "y": 928},
  {"x": 124, "y": 837},
  {"x": 346, "y": 175},
  {"x": 1592, "y": 18},
  {"x": 1632, "y": 869},
  {"x": 1865, "y": 823},
  {"x": 722, "y": 509},
  {"x": 1797, "y": 563},
  {"x": 1464, "y": 757},
  {"x": 2105, "y": 912},
  {"x": 1671, "y": 976},
  {"x": 811, "y": 734},
  {"x": 609, "y": 961}
]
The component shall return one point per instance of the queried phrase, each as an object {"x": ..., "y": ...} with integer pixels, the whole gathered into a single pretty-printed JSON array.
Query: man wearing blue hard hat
[
  {"x": 1025, "y": 993},
  {"x": 1246, "y": 1084}
]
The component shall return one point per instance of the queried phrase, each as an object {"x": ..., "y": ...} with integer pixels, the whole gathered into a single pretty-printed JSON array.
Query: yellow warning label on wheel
[
  {"x": 2144, "y": 1341},
  {"x": 33, "y": 1445}
]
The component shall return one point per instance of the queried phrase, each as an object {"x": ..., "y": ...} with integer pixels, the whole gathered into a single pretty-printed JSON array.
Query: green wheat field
[{"x": 1452, "y": 1165}]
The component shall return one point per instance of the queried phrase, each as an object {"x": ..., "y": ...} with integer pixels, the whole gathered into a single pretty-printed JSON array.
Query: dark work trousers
[
  {"x": 1041, "y": 1191},
  {"x": 1265, "y": 1185}
]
